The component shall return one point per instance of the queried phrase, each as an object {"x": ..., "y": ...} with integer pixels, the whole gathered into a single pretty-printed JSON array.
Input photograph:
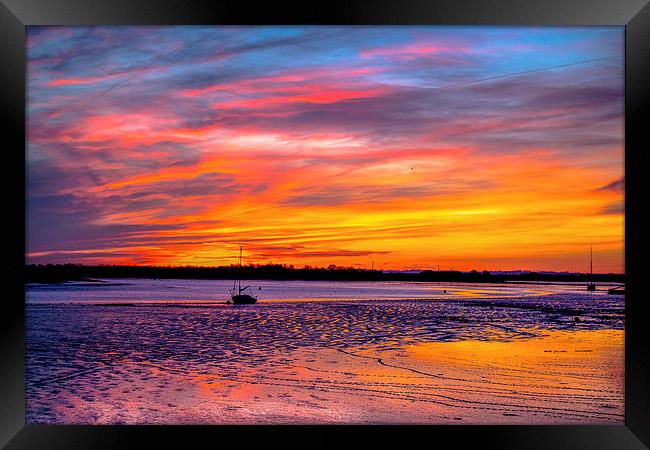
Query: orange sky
[{"x": 480, "y": 148}]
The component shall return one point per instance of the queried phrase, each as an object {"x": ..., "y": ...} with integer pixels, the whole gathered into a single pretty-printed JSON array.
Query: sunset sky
[{"x": 410, "y": 147}]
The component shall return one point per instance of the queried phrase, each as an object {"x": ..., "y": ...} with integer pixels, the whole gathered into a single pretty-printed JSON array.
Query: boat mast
[
  {"x": 591, "y": 260},
  {"x": 240, "y": 251}
]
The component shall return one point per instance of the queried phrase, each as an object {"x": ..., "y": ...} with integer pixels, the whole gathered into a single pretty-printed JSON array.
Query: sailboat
[
  {"x": 236, "y": 294},
  {"x": 591, "y": 286}
]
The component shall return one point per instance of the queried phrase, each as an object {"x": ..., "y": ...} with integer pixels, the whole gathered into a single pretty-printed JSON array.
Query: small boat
[
  {"x": 243, "y": 299},
  {"x": 591, "y": 286},
  {"x": 236, "y": 294}
]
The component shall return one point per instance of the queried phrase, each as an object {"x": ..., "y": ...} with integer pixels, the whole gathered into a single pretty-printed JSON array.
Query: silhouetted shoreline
[{"x": 58, "y": 273}]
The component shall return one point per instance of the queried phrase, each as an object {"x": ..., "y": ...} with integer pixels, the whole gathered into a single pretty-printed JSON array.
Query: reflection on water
[
  {"x": 478, "y": 354},
  {"x": 153, "y": 291}
]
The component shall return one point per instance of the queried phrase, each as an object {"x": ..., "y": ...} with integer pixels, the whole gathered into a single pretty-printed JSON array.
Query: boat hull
[{"x": 243, "y": 299}]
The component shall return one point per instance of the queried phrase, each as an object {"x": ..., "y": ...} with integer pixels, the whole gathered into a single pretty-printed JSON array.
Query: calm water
[{"x": 147, "y": 291}]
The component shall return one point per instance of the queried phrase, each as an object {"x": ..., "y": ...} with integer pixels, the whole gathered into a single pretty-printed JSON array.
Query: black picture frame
[{"x": 633, "y": 14}]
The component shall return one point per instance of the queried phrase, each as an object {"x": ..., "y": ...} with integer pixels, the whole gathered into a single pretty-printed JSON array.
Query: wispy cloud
[
  {"x": 174, "y": 145},
  {"x": 615, "y": 185}
]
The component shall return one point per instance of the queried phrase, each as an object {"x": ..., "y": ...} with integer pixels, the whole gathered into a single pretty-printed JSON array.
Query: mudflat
[{"x": 554, "y": 357}]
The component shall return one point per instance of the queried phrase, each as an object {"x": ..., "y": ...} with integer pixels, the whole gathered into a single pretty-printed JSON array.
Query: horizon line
[{"x": 310, "y": 267}]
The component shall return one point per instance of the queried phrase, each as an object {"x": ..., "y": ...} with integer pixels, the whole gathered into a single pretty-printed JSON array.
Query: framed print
[{"x": 292, "y": 223}]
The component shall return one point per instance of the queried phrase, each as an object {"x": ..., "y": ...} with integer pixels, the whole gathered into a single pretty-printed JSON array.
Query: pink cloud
[{"x": 415, "y": 50}]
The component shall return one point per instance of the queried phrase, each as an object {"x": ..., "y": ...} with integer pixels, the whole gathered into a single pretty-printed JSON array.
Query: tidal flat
[{"x": 171, "y": 352}]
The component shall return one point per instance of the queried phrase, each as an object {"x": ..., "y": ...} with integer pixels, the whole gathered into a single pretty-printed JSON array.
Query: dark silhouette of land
[{"x": 57, "y": 273}]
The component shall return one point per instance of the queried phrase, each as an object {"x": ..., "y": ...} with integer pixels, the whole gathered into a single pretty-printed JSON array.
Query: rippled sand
[{"x": 459, "y": 361}]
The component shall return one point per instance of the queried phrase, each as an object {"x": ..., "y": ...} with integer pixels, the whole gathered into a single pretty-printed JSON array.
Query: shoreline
[{"x": 55, "y": 274}]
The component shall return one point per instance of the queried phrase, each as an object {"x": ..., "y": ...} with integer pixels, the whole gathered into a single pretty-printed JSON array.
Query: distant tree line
[{"x": 57, "y": 273}]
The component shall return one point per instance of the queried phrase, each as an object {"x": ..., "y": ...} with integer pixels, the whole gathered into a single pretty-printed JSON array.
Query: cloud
[
  {"x": 337, "y": 253},
  {"x": 615, "y": 186},
  {"x": 614, "y": 208},
  {"x": 164, "y": 144},
  {"x": 360, "y": 194}
]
